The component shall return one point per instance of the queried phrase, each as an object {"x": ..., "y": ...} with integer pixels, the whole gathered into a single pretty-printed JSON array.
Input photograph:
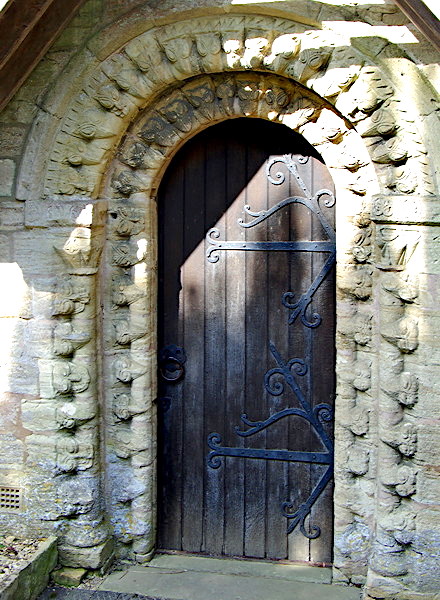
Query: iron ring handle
[{"x": 180, "y": 369}]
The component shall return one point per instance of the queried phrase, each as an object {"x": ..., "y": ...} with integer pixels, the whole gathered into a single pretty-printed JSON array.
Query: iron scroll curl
[{"x": 297, "y": 306}]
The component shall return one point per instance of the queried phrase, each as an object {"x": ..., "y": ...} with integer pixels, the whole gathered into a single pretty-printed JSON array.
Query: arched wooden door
[{"x": 246, "y": 334}]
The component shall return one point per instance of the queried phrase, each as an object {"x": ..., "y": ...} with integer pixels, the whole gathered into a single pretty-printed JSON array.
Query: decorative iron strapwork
[
  {"x": 316, "y": 416},
  {"x": 300, "y": 306},
  {"x": 288, "y": 370}
]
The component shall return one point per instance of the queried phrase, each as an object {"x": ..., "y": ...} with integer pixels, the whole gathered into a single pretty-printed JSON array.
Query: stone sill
[{"x": 33, "y": 578}]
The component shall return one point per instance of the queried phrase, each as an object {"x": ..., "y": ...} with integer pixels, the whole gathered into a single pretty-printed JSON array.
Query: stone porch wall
[{"x": 73, "y": 400}]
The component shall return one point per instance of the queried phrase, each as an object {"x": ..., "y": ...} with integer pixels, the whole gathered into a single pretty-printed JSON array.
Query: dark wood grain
[
  {"x": 322, "y": 371},
  {"x": 256, "y": 353},
  {"x": 215, "y": 203},
  {"x": 236, "y": 180},
  {"x": 277, "y": 435},
  {"x": 224, "y": 315},
  {"x": 300, "y": 347},
  {"x": 170, "y": 397},
  {"x": 193, "y": 304}
]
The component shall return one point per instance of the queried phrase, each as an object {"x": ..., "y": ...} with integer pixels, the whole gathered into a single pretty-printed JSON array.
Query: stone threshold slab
[
  {"x": 249, "y": 568},
  {"x": 178, "y": 577}
]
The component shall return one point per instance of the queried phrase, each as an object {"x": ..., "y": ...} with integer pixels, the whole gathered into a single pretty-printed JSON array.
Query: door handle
[{"x": 171, "y": 363}]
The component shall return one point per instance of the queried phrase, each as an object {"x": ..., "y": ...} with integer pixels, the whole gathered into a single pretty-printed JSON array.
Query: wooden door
[{"x": 246, "y": 338}]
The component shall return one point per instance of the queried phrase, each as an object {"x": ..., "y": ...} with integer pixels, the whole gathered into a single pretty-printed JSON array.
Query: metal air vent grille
[{"x": 10, "y": 499}]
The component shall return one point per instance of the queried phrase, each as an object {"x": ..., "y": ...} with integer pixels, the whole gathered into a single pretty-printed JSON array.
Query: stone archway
[
  {"x": 184, "y": 77},
  {"x": 156, "y": 136}
]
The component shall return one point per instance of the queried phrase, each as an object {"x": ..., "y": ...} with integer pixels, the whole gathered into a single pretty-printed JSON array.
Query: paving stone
[
  {"x": 195, "y": 578},
  {"x": 114, "y": 596}
]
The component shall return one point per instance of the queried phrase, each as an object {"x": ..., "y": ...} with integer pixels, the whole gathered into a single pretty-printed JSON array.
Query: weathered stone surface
[
  {"x": 428, "y": 484},
  {"x": 406, "y": 209},
  {"x": 28, "y": 186},
  {"x": 7, "y": 175},
  {"x": 126, "y": 486},
  {"x": 89, "y": 558},
  {"x": 87, "y": 530},
  {"x": 78, "y": 496},
  {"x": 34, "y": 252},
  {"x": 10, "y": 414},
  {"x": 12, "y": 215},
  {"x": 68, "y": 576},
  {"x": 354, "y": 545},
  {"x": 34, "y": 577},
  {"x": 11, "y": 449},
  {"x": 21, "y": 112},
  {"x": 13, "y": 303},
  {"x": 17, "y": 369},
  {"x": 5, "y": 249},
  {"x": 12, "y": 140},
  {"x": 423, "y": 576},
  {"x": 53, "y": 212}
]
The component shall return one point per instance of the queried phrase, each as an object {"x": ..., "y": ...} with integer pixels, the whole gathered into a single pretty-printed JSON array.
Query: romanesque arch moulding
[
  {"x": 185, "y": 77},
  {"x": 131, "y": 187},
  {"x": 320, "y": 60}
]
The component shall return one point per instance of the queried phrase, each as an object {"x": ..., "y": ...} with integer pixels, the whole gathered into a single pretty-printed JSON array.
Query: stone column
[
  {"x": 69, "y": 445},
  {"x": 401, "y": 552},
  {"x": 129, "y": 299}
]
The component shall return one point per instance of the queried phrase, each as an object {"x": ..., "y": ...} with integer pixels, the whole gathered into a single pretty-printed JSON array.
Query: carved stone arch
[
  {"x": 182, "y": 77},
  {"x": 323, "y": 61},
  {"x": 129, "y": 260},
  {"x": 165, "y": 125}
]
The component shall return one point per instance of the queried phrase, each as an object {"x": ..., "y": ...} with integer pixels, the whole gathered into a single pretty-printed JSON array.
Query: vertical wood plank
[
  {"x": 193, "y": 295},
  {"x": 277, "y": 435},
  {"x": 256, "y": 353},
  {"x": 299, "y": 432},
  {"x": 323, "y": 373},
  {"x": 235, "y": 345},
  {"x": 214, "y": 341}
]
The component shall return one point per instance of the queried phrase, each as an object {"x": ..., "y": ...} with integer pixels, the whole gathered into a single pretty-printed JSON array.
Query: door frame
[{"x": 226, "y": 97}]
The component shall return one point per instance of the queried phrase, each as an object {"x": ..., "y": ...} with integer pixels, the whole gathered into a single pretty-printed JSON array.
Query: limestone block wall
[{"x": 84, "y": 145}]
